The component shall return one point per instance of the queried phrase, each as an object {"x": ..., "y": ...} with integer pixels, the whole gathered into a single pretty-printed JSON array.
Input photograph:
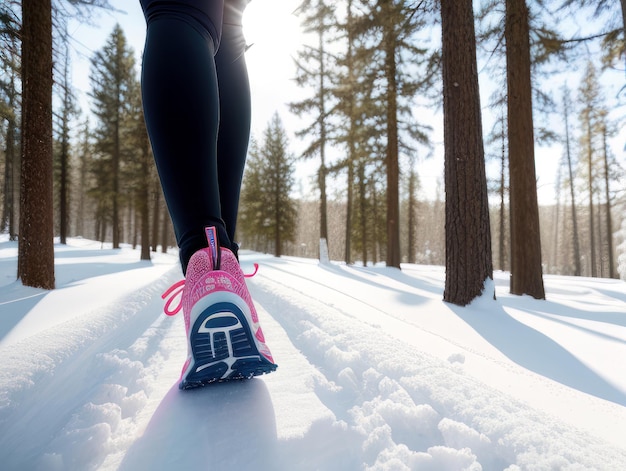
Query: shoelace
[{"x": 175, "y": 293}]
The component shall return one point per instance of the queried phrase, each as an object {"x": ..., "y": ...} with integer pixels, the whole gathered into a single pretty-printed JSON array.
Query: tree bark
[
  {"x": 322, "y": 170},
  {"x": 526, "y": 270},
  {"x": 391, "y": 160},
  {"x": 36, "y": 245},
  {"x": 468, "y": 236},
  {"x": 607, "y": 195},
  {"x": 568, "y": 153}
]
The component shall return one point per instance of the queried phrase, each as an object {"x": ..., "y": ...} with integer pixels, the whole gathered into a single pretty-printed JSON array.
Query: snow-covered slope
[{"x": 375, "y": 372}]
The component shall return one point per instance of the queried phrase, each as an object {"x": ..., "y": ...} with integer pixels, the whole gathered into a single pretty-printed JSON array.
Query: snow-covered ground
[{"x": 375, "y": 372}]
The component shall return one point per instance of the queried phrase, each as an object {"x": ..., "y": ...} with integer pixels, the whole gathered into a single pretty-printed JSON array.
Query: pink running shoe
[{"x": 224, "y": 338}]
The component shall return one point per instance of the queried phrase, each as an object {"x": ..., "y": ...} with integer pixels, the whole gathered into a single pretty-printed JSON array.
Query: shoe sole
[{"x": 223, "y": 348}]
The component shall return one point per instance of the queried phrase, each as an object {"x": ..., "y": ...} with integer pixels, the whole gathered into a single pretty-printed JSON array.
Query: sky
[{"x": 275, "y": 32}]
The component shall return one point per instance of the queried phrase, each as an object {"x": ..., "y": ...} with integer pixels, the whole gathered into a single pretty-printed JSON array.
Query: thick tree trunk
[
  {"x": 36, "y": 245},
  {"x": 468, "y": 237},
  {"x": 526, "y": 270}
]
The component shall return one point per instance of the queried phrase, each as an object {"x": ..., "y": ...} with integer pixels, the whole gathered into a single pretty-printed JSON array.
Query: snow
[{"x": 375, "y": 372}]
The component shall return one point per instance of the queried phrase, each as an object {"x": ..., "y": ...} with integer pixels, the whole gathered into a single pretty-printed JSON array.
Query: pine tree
[
  {"x": 268, "y": 214},
  {"x": 140, "y": 170},
  {"x": 413, "y": 184},
  {"x": 359, "y": 130},
  {"x": 348, "y": 107},
  {"x": 526, "y": 269},
  {"x": 400, "y": 20},
  {"x": 468, "y": 241},
  {"x": 397, "y": 66},
  {"x": 62, "y": 161},
  {"x": 314, "y": 68},
  {"x": 36, "y": 249},
  {"x": 621, "y": 251},
  {"x": 568, "y": 155},
  {"x": 497, "y": 139},
  {"x": 112, "y": 73},
  {"x": 84, "y": 153},
  {"x": 608, "y": 163},
  {"x": 10, "y": 114},
  {"x": 588, "y": 117}
]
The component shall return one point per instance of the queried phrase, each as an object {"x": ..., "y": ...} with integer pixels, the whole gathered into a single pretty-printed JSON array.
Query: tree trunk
[
  {"x": 12, "y": 163},
  {"x": 592, "y": 240},
  {"x": 154, "y": 239},
  {"x": 322, "y": 170},
  {"x": 412, "y": 219},
  {"x": 363, "y": 211},
  {"x": 526, "y": 270},
  {"x": 81, "y": 190},
  {"x": 349, "y": 205},
  {"x": 609, "y": 221},
  {"x": 145, "y": 222},
  {"x": 116, "y": 181},
  {"x": 468, "y": 237},
  {"x": 64, "y": 156},
  {"x": 36, "y": 245},
  {"x": 502, "y": 235},
  {"x": 391, "y": 160},
  {"x": 166, "y": 224},
  {"x": 9, "y": 207},
  {"x": 577, "y": 267},
  {"x": 351, "y": 139}
]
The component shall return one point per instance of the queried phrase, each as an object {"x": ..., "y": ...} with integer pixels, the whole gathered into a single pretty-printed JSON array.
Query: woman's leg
[
  {"x": 235, "y": 114},
  {"x": 181, "y": 108}
]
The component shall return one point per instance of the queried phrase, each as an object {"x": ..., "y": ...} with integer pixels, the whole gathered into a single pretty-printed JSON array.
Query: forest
[{"x": 368, "y": 70}]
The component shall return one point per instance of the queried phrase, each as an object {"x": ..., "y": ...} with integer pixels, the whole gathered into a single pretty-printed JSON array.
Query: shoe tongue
[{"x": 214, "y": 247}]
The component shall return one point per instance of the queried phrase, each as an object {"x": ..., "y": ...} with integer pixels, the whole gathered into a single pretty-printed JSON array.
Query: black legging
[{"x": 197, "y": 110}]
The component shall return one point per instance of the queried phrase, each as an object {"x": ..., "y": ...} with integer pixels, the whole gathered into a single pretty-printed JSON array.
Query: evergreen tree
[
  {"x": 568, "y": 156},
  {"x": 268, "y": 214},
  {"x": 497, "y": 141},
  {"x": 36, "y": 250},
  {"x": 10, "y": 108},
  {"x": 607, "y": 164},
  {"x": 62, "y": 174},
  {"x": 360, "y": 130},
  {"x": 589, "y": 96},
  {"x": 314, "y": 68},
  {"x": 112, "y": 75},
  {"x": 397, "y": 66},
  {"x": 140, "y": 170},
  {"x": 621, "y": 251},
  {"x": 348, "y": 107},
  {"x": 413, "y": 184},
  {"x": 84, "y": 153},
  {"x": 526, "y": 268},
  {"x": 468, "y": 241}
]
